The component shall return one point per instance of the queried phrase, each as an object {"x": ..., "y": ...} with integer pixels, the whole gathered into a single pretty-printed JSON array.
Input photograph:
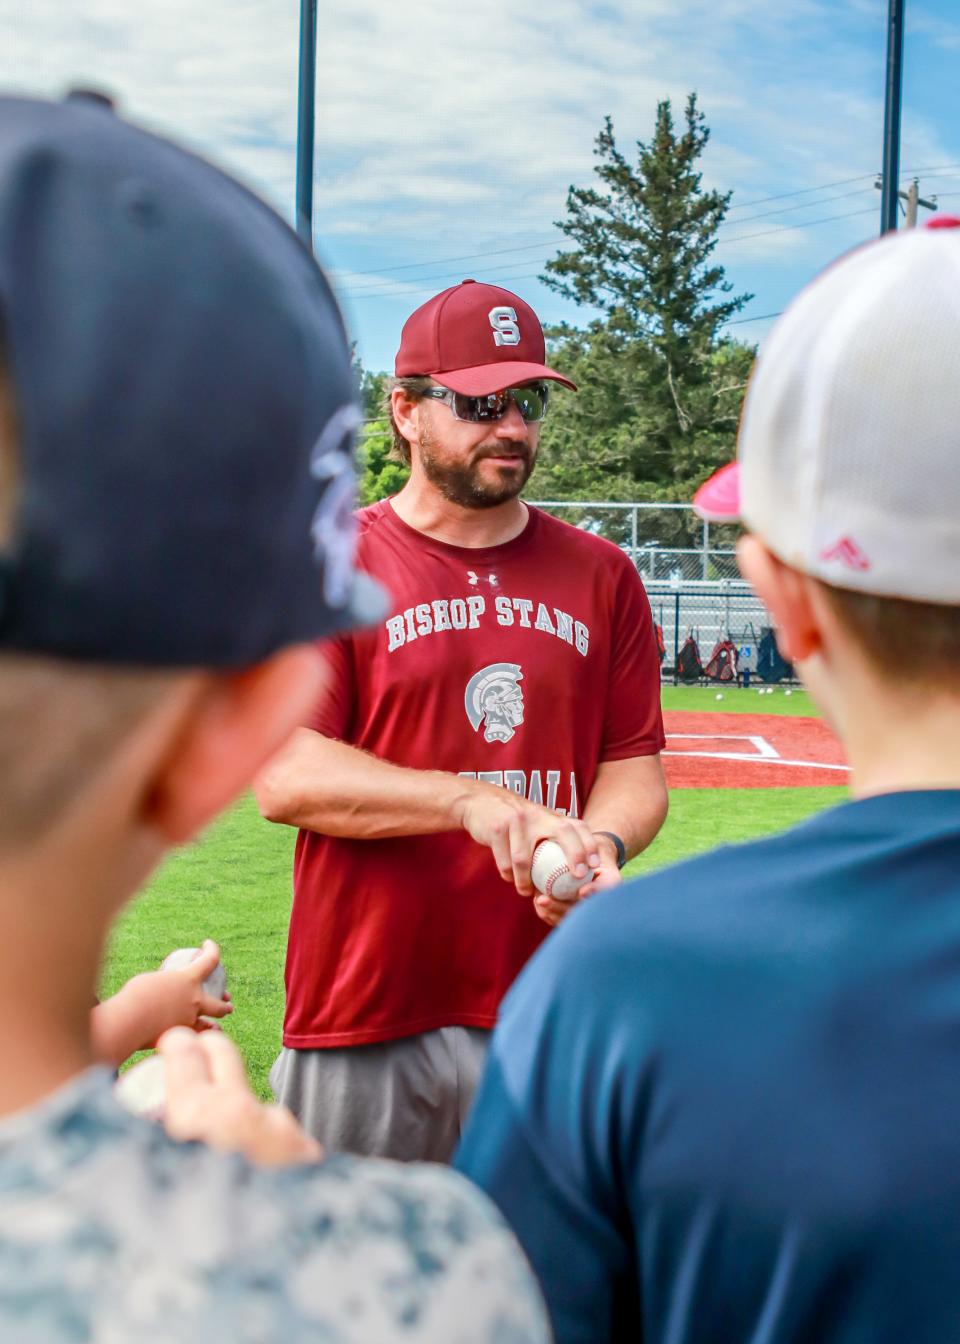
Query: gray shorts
[{"x": 405, "y": 1099}]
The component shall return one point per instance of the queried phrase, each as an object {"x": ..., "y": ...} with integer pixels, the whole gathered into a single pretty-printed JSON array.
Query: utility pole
[
  {"x": 912, "y": 201},
  {"x": 306, "y": 114},
  {"x": 891, "y": 120}
]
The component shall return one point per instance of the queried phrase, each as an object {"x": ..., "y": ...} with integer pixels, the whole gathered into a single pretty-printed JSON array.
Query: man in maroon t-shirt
[{"x": 511, "y": 695}]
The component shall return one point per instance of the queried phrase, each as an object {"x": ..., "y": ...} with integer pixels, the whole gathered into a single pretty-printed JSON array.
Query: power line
[
  {"x": 809, "y": 223},
  {"x": 805, "y": 224},
  {"x": 527, "y": 275},
  {"x": 789, "y": 209},
  {"x": 530, "y": 247},
  {"x": 378, "y": 272},
  {"x": 439, "y": 261},
  {"x": 945, "y": 170},
  {"x": 841, "y": 182},
  {"x": 803, "y": 191},
  {"x": 763, "y": 317},
  {"x": 400, "y": 291}
]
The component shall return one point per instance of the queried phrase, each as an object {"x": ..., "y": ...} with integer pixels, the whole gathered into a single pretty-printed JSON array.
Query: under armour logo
[
  {"x": 847, "y": 553},
  {"x": 474, "y": 579}
]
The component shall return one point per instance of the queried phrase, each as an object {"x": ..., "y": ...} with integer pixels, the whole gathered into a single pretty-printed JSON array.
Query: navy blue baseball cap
[{"x": 183, "y": 403}]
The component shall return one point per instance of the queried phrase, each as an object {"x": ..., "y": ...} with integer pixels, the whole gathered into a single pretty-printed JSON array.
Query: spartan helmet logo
[{"x": 493, "y": 697}]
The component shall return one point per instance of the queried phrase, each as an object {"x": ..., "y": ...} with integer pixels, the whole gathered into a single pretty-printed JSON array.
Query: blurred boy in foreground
[
  {"x": 176, "y": 419},
  {"x": 722, "y": 1102}
]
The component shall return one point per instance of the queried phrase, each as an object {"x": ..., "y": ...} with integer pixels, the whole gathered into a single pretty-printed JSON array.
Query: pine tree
[{"x": 660, "y": 386}]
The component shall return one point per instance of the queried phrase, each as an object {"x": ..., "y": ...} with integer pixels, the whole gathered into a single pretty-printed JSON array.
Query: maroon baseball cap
[{"x": 475, "y": 339}]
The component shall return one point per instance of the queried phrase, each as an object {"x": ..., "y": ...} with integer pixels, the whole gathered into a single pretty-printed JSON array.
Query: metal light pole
[
  {"x": 305, "y": 119},
  {"x": 891, "y": 120}
]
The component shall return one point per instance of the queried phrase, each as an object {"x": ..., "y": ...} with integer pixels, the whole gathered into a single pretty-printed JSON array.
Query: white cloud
[
  {"x": 503, "y": 97},
  {"x": 445, "y": 129},
  {"x": 941, "y": 33}
]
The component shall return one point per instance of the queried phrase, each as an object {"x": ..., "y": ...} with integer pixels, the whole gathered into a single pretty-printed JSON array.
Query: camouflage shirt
[{"x": 112, "y": 1233}]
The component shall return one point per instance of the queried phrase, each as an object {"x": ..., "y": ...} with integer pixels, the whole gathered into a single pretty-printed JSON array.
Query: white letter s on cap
[{"x": 506, "y": 330}]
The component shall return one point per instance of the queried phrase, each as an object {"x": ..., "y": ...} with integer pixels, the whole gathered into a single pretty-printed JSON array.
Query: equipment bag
[
  {"x": 723, "y": 662},
  {"x": 689, "y": 666},
  {"x": 771, "y": 665}
]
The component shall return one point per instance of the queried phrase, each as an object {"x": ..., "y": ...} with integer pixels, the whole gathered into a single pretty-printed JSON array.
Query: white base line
[
  {"x": 764, "y": 748},
  {"x": 755, "y": 760}
]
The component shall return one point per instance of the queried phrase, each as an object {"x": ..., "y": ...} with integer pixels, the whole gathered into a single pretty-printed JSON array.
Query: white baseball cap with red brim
[{"x": 849, "y": 448}]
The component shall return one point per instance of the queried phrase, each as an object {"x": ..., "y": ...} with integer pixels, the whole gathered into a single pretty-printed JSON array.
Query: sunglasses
[{"x": 530, "y": 400}]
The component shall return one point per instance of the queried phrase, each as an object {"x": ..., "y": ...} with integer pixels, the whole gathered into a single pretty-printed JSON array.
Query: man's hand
[
  {"x": 606, "y": 875},
  {"x": 208, "y": 1098},
  {"x": 630, "y": 798},
  {"x": 512, "y": 828}
]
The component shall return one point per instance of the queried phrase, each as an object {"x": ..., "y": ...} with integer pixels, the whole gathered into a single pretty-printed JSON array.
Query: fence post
[
  {"x": 633, "y": 534},
  {"x": 676, "y": 637},
  {"x": 706, "y": 543}
]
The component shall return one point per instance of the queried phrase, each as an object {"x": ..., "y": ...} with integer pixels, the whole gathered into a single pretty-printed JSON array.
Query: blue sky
[{"x": 444, "y": 134}]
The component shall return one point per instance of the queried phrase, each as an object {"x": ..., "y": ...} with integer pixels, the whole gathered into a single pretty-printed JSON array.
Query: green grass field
[
  {"x": 738, "y": 701},
  {"x": 233, "y": 884}
]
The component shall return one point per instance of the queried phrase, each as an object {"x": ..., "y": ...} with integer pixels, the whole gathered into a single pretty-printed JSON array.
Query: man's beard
[{"x": 461, "y": 482}]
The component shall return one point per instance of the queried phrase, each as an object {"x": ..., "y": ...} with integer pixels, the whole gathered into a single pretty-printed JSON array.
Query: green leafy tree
[
  {"x": 660, "y": 387},
  {"x": 380, "y": 473}
]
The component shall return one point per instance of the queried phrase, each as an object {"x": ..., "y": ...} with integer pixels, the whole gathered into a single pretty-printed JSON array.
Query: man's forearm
[
  {"x": 320, "y": 784},
  {"x": 629, "y": 798}
]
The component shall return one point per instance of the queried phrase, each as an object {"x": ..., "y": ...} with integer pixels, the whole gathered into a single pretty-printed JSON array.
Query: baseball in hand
[
  {"x": 216, "y": 982},
  {"x": 551, "y": 875},
  {"x": 142, "y": 1089}
]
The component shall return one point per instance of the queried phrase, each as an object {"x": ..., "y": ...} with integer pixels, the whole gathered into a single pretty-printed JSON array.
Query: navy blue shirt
[{"x": 723, "y": 1101}]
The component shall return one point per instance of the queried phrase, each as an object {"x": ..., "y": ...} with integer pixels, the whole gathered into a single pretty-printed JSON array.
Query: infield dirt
[{"x": 750, "y": 751}]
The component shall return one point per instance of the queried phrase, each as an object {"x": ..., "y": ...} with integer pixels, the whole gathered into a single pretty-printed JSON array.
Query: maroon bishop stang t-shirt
[{"x": 525, "y": 664}]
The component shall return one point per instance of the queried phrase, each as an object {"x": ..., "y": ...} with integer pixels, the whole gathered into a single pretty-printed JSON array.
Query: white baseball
[
  {"x": 550, "y": 872},
  {"x": 216, "y": 982},
  {"x": 142, "y": 1090}
]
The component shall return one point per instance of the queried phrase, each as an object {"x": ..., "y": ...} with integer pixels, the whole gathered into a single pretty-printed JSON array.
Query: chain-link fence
[
  {"x": 708, "y": 611},
  {"x": 665, "y": 541},
  {"x": 688, "y": 567}
]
